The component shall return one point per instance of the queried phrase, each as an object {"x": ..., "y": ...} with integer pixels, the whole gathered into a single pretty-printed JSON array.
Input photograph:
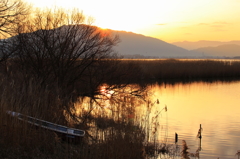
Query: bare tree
[
  {"x": 12, "y": 12},
  {"x": 68, "y": 56},
  {"x": 58, "y": 47}
]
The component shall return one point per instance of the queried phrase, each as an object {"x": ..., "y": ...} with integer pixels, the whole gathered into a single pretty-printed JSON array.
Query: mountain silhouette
[
  {"x": 227, "y": 50},
  {"x": 134, "y": 45},
  {"x": 203, "y": 43}
]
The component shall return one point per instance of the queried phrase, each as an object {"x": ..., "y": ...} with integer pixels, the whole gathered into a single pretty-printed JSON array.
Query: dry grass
[
  {"x": 185, "y": 70},
  {"x": 113, "y": 128}
]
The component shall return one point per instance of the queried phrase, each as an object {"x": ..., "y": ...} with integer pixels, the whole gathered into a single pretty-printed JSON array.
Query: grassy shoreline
[
  {"x": 169, "y": 70},
  {"x": 111, "y": 134}
]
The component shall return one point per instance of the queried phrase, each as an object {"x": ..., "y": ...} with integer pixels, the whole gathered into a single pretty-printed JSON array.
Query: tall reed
[
  {"x": 184, "y": 70},
  {"x": 114, "y": 127}
]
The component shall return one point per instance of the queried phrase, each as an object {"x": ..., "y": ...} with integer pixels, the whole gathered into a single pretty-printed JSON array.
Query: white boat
[{"x": 69, "y": 132}]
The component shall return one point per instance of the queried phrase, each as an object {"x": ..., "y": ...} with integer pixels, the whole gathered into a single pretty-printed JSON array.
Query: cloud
[
  {"x": 214, "y": 23},
  {"x": 162, "y": 24},
  {"x": 173, "y": 23},
  {"x": 202, "y": 24},
  {"x": 219, "y": 29},
  {"x": 219, "y": 26},
  {"x": 215, "y": 26},
  {"x": 221, "y": 23}
]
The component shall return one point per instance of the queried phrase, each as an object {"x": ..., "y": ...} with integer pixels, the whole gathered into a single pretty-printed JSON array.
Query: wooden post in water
[
  {"x": 176, "y": 138},
  {"x": 200, "y": 144},
  {"x": 200, "y": 132},
  {"x": 200, "y": 138}
]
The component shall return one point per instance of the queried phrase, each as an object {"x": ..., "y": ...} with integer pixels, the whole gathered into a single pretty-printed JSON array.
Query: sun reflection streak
[{"x": 105, "y": 91}]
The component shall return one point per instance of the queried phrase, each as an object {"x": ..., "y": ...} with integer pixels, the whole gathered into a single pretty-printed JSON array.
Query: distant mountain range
[
  {"x": 134, "y": 45},
  {"x": 139, "y": 46},
  {"x": 227, "y": 50},
  {"x": 203, "y": 43}
]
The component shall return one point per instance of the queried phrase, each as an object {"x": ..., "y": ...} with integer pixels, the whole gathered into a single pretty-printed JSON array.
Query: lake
[{"x": 216, "y": 106}]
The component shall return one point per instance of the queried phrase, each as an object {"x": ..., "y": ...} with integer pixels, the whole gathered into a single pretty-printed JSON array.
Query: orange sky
[{"x": 168, "y": 20}]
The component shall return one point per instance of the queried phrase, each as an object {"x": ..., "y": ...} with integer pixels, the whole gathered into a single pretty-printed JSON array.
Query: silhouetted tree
[
  {"x": 68, "y": 56},
  {"x": 12, "y": 12},
  {"x": 57, "y": 47}
]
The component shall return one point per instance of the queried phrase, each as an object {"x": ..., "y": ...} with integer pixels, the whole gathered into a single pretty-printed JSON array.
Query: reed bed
[
  {"x": 115, "y": 127},
  {"x": 118, "y": 125},
  {"x": 184, "y": 70}
]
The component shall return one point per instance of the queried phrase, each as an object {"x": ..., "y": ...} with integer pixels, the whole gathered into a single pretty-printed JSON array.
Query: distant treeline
[{"x": 182, "y": 70}]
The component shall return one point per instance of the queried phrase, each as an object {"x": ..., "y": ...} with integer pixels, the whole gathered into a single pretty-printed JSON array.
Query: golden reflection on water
[{"x": 214, "y": 105}]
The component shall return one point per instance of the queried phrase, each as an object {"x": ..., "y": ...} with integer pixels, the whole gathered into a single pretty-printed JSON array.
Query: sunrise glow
[{"x": 170, "y": 20}]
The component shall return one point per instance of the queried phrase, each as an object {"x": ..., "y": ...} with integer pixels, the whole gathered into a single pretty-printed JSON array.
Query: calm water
[{"x": 214, "y": 105}]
